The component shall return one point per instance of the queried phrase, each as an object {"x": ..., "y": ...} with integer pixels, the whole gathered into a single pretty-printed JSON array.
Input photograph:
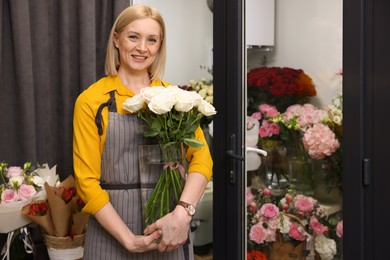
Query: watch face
[{"x": 191, "y": 210}]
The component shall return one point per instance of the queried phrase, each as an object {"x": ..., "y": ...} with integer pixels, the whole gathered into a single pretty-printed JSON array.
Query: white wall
[
  {"x": 308, "y": 36},
  {"x": 189, "y": 26}
]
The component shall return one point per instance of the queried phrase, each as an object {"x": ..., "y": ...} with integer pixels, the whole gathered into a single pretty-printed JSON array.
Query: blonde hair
[{"x": 130, "y": 14}]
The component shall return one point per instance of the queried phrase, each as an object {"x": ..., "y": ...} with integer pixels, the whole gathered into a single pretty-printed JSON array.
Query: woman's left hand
[{"x": 175, "y": 228}]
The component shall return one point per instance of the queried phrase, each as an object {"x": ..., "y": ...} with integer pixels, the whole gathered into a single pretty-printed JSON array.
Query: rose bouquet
[
  {"x": 60, "y": 217},
  {"x": 281, "y": 225},
  {"x": 278, "y": 86},
  {"x": 19, "y": 186},
  {"x": 170, "y": 115}
]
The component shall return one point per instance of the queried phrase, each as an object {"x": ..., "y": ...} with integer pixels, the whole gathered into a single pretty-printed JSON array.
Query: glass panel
[{"x": 294, "y": 109}]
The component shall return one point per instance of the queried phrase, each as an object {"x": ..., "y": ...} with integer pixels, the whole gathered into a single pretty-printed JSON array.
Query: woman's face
[{"x": 138, "y": 44}]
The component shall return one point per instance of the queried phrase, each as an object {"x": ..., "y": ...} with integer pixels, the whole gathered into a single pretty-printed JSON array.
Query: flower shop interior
[{"x": 299, "y": 143}]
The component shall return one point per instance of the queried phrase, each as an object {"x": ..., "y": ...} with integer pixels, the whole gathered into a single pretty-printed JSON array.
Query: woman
[{"x": 105, "y": 150}]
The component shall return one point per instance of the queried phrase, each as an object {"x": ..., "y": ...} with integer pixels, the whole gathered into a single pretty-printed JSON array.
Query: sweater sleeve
[{"x": 87, "y": 156}]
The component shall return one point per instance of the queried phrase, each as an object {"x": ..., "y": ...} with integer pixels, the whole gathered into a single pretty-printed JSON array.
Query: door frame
[{"x": 229, "y": 178}]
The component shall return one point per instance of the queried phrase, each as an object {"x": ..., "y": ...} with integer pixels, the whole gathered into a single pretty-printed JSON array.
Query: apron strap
[{"x": 111, "y": 104}]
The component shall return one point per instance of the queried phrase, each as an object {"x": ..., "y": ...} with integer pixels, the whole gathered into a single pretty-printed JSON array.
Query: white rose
[
  {"x": 149, "y": 93},
  {"x": 203, "y": 92},
  {"x": 206, "y": 108},
  {"x": 210, "y": 90},
  {"x": 209, "y": 99},
  {"x": 185, "y": 101},
  {"x": 196, "y": 97},
  {"x": 134, "y": 104},
  {"x": 162, "y": 103}
]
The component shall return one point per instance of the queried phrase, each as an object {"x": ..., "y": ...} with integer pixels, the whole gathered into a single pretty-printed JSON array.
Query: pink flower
[
  {"x": 269, "y": 211},
  {"x": 257, "y": 115},
  {"x": 268, "y": 110},
  {"x": 339, "y": 229},
  {"x": 296, "y": 232},
  {"x": 258, "y": 233},
  {"x": 25, "y": 191},
  {"x": 316, "y": 226},
  {"x": 9, "y": 195},
  {"x": 14, "y": 171},
  {"x": 304, "y": 204},
  {"x": 266, "y": 192},
  {"x": 249, "y": 197},
  {"x": 320, "y": 141}
]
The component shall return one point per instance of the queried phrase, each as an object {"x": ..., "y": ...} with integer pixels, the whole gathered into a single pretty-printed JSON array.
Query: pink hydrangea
[
  {"x": 258, "y": 233},
  {"x": 320, "y": 141},
  {"x": 297, "y": 232},
  {"x": 307, "y": 115},
  {"x": 339, "y": 229},
  {"x": 269, "y": 211},
  {"x": 14, "y": 171},
  {"x": 9, "y": 195},
  {"x": 25, "y": 191},
  {"x": 304, "y": 203}
]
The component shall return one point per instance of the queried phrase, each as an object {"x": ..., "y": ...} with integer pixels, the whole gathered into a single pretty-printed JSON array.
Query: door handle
[{"x": 234, "y": 157}]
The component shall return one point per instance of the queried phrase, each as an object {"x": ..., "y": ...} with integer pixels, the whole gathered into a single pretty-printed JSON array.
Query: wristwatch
[{"x": 189, "y": 207}]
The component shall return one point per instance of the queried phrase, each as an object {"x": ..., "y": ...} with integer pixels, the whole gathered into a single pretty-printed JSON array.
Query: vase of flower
[
  {"x": 162, "y": 169},
  {"x": 274, "y": 168}
]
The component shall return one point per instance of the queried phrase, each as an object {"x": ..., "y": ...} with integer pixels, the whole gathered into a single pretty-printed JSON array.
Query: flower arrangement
[
  {"x": 171, "y": 115},
  {"x": 293, "y": 218},
  {"x": 278, "y": 86},
  {"x": 19, "y": 186},
  {"x": 61, "y": 219}
]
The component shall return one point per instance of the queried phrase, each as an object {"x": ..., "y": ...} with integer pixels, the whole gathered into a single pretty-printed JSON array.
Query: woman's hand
[
  {"x": 175, "y": 228},
  {"x": 139, "y": 244}
]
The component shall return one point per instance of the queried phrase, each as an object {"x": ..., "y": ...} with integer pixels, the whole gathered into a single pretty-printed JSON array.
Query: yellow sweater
[{"x": 88, "y": 144}]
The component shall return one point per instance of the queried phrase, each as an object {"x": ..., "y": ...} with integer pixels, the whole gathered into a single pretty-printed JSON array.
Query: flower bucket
[{"x": 65, "y": 248}]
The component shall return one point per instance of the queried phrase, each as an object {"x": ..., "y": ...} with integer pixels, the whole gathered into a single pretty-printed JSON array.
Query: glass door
[{"x": 294, "y": 197}]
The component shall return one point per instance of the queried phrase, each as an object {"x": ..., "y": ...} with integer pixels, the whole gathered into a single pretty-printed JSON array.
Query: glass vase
[
  {"x": 327, "y": 190},
  {"x": 162, "y": 176},
  {"x": 273, "y": 171}
]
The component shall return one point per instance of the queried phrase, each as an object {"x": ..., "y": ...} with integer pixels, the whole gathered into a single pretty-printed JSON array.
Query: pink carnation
[
  {"x": 296, "y": 232},
  {"x": 304, "y": 204},
  {"x": 14, "y": 171},
  {"x": 25, "y": 191},
  {"x": 339, "y": 229},
  {"x": 320, "y": 141},
  {"x": 9, "y": 195},
  {"x": 269, "y": 211},
  {"x": 258, "y": 233}
]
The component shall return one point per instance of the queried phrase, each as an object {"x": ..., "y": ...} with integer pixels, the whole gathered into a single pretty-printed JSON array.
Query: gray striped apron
[{"x": 120, "y": 177}]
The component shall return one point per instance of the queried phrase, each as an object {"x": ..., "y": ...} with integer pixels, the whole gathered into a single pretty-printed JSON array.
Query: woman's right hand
[
  {"x": 112, "y": 222},
  {"x": 140, "y": 243}
]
